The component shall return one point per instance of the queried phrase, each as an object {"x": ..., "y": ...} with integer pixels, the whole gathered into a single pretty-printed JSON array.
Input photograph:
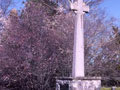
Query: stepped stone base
[{"x": 80, "y": 83}]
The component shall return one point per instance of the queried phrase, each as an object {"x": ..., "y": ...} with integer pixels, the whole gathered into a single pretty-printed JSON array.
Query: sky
[
  {"x": 112, "y": 7},
  {"x": 18, "y": 4}
]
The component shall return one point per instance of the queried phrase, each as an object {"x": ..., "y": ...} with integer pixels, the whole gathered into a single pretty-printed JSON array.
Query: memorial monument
[{"x": 78, "y": 81}]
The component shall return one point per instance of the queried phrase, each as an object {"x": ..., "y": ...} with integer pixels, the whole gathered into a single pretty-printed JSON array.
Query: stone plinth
[{"x": 83, "y": 83}]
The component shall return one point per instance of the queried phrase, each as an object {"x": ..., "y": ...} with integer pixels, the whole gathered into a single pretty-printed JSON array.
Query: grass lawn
[
  {"x": 118, "y": 88},
  {"x": 104, "y": 88}
]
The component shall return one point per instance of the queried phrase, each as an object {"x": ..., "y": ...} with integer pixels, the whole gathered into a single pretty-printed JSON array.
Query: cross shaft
[{"x": 78, "y": 51}]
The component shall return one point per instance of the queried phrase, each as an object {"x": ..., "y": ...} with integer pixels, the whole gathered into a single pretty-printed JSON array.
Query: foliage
[{"x": 32, "y": 45}]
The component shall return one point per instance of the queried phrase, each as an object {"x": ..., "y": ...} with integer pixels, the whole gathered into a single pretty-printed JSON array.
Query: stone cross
[
  {"x": 78, "y": 53},
  {"x": 78, "y": 81}
]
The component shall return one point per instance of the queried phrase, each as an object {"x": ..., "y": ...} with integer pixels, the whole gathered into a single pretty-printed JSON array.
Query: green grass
[
  {"x": 118, "y": 88},
  {"x": 105, "y": 88}
]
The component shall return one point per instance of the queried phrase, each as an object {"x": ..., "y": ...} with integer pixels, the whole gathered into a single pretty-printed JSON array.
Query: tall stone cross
[
  {"x": 78, "y": 52},
  {"x": 78, "y": 80}
]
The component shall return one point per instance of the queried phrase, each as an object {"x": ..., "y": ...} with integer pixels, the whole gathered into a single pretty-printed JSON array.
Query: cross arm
[
  {"x": 85, "y": 8},
  {"x": 74, "y": 6}
]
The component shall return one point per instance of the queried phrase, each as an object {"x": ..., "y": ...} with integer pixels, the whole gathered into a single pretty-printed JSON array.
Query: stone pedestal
[{"x": 83, "y": 83}]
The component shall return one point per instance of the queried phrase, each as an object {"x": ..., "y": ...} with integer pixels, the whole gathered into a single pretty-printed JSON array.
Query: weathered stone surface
[{"x": 81, "y": 83}]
